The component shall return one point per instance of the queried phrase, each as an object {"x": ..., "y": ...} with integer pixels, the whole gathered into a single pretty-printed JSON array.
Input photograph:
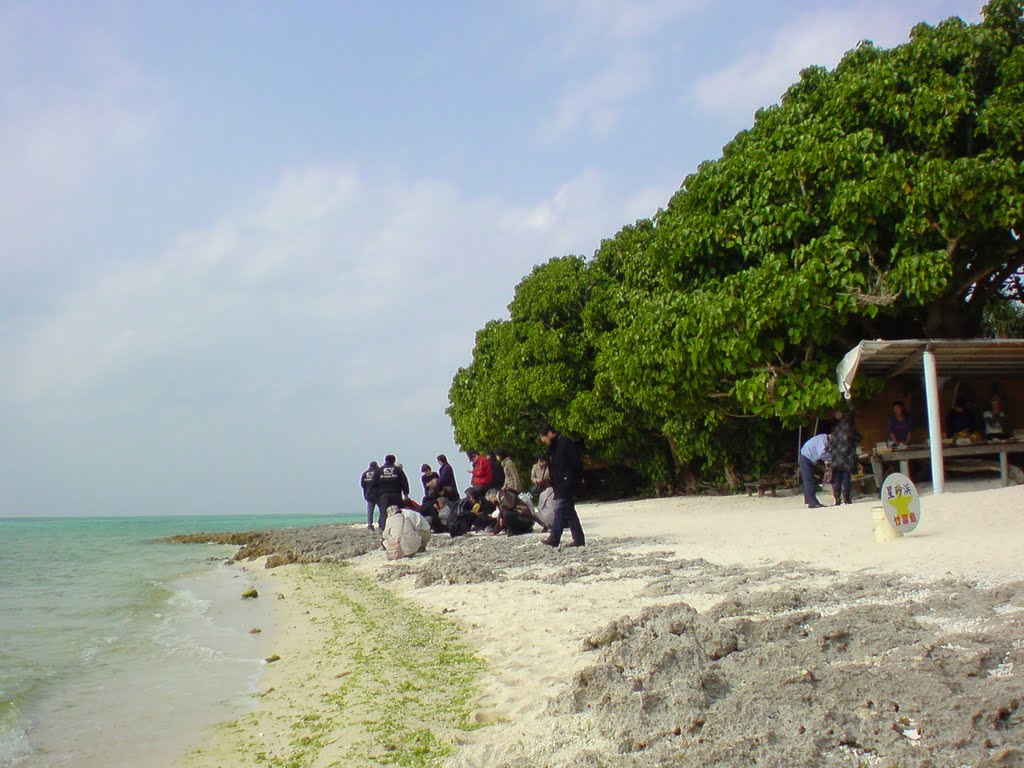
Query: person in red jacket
[{"x": 483, "y": 472}]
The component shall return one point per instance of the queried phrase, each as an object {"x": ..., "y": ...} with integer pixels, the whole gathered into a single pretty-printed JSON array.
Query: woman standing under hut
[{"x": 843, "y": 449}]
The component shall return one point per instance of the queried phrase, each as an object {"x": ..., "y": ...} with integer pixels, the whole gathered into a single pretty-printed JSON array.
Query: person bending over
[
  {"x": 514, "y": 516},
  {"x": 814, "y": 451},
  {"x": 405, "y": 533}
]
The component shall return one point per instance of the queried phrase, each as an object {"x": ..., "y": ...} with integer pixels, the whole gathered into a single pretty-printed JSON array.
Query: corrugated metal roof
[{"x": 953, "y": 357}]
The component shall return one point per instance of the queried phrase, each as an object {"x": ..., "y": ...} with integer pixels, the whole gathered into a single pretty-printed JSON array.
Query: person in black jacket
[
  {"x": 369, "y": 492},
  {"x": 446, "y": 475},
  {"x": 392, "y": 488},
  {"x": 566, "y": 470}
]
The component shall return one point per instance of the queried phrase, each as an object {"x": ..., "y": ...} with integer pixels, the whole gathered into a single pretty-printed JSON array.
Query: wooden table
[{"x": 880, "y": 457}]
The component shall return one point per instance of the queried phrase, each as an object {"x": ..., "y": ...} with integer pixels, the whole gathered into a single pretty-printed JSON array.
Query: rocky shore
[
  {"x": 623, "y": 654},
  {"x": 316, "y": 544}
]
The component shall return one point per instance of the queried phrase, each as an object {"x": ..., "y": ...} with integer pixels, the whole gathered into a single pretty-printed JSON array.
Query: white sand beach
[{"x": 542, "y": 621}]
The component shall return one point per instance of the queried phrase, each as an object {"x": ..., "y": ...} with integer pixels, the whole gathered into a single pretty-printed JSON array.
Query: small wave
[
  {"x": 187, "y": 626},
  {"x": 186, "y": 601},
  {"x": 14, "y": 744}
]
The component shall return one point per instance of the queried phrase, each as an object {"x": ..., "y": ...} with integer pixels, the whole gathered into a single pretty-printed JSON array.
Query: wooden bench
[{"x": 760, "y": 486}]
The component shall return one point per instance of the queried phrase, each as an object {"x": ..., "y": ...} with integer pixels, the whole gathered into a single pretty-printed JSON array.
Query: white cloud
[
  {"x": 759, "y": 78},
  {"x": 334, "y": 308},
  {"x": 60, "y": 132},
  {"x": 596, "y": 103},
  {"x": 589, "y": 23},
  {"x": 612, "y": 38}
]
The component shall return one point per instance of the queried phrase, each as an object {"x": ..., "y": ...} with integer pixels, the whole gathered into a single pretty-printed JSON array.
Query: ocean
[{"x": 118, "y": 651}]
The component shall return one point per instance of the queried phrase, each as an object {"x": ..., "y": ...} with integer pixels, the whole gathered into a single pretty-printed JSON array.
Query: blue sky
[{"x": 244, "y": 246}]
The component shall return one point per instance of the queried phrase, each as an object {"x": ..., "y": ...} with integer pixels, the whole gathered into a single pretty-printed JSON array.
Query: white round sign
[{"x": 901, "y": 502}]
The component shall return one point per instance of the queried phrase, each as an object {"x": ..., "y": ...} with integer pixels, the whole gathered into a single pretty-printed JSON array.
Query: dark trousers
[
  {"x": 566, "y": 516},
  {"x": 809, "y": 481},
  {"x": 387, "y": 500},
  {"x": 371, "y": 504},
  {"x": 841, "y": 485}
]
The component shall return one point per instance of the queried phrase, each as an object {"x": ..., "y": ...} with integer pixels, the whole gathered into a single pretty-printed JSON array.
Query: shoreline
[
  {"x": 765, "y": 601},
  {"x": 361, "y": 678}
]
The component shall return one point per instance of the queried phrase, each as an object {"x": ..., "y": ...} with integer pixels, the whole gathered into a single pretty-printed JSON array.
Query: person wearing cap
[{"x": 366, "y": 480}]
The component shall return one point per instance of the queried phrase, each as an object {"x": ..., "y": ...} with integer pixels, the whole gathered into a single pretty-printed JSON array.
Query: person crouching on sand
[{"x": 405, "y": 533}]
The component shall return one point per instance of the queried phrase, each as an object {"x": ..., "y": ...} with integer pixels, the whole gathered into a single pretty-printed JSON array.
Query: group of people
[
  {"x": 495, "y": 501},
  {"x": 839, "y": 449},
  {"x": 963, "y": 420}
]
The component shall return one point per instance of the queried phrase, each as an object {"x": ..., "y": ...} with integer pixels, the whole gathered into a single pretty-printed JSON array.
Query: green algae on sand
[{"x": 403, "y": 694}]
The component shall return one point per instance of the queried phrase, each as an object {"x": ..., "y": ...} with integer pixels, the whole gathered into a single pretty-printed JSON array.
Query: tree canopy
[{"x": 882, "y": 199}]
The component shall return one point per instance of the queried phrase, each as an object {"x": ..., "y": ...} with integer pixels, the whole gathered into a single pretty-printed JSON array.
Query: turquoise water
[{"x": 115, "y": 650}]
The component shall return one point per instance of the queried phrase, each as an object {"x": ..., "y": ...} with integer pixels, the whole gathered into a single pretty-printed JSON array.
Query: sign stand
[{"x": 901, "y": 505}]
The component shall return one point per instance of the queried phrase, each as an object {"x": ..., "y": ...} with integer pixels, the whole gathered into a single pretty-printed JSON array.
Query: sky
[{"x": 245, "y": 246}]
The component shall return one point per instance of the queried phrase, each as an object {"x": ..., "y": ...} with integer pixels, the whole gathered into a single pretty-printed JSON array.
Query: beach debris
[
  {"x": 907, "y": 728},
  {"x": 271, "y": 659},
  {"x": 280, "y": 595},
  {"x": 255, "y": 631},
  {"x": 250, "y": 593}
]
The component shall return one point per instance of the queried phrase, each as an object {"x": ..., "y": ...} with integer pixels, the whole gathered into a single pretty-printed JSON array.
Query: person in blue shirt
[{"x": 813, "y": 451}]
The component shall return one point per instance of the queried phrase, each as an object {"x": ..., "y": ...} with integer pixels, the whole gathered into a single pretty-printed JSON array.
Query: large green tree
[{"x": 882, "y": 199}]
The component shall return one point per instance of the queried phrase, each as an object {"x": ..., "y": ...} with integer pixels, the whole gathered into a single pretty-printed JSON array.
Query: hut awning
[{"x": 953, "y": 357}]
